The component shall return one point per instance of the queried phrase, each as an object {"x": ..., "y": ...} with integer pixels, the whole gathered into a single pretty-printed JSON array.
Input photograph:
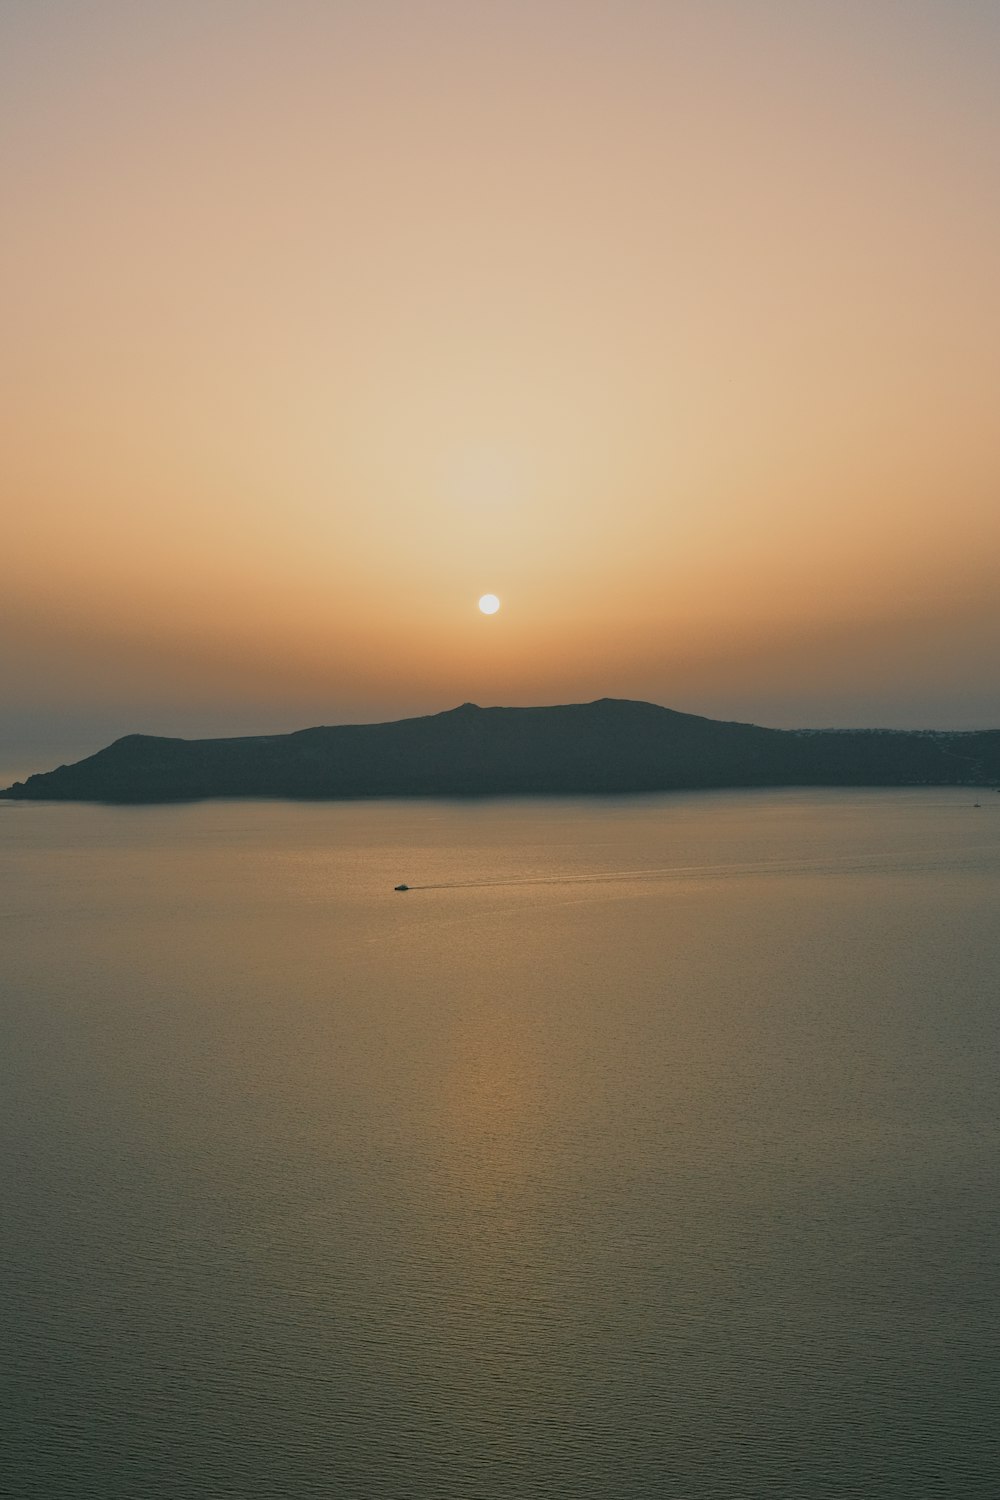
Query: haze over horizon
[{"x": 674, "y": 326}]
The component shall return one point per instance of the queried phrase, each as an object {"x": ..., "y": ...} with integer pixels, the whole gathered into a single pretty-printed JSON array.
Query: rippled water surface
[{"x": 644, "y": 1147}]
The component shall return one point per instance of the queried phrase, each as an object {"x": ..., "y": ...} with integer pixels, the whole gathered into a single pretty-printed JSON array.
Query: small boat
[{"x": 401, "y": 887}]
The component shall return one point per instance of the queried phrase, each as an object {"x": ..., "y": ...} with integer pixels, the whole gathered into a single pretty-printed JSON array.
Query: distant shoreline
[{"x": 611, "y": 747}]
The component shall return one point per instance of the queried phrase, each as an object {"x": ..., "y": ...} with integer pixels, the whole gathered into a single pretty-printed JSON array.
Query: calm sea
[{"x": 644, "y": 1147}]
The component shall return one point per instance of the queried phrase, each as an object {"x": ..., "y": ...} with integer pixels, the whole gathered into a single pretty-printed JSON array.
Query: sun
[{"x": 489, "y": 604}]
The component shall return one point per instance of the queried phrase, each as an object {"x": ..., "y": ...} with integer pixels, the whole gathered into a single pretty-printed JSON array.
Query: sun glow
[{"x": 489, "y": 604}]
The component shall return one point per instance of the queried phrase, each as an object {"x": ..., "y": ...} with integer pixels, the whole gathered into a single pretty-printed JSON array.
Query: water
[{"x": 646, "y": 1147}]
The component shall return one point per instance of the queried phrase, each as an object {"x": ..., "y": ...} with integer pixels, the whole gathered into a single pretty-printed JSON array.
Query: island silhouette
[{"x": 610, "y": 746}]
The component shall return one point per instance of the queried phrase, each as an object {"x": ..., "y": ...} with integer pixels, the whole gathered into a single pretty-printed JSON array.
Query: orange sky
[{"x": 675, "y": 325}]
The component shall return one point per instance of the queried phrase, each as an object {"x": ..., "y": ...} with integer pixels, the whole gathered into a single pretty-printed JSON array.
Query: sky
[{"x": 675, "y": 325}]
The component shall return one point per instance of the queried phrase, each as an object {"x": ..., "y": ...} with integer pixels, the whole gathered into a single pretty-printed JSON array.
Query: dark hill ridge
[{"x": 613, "y": 745}]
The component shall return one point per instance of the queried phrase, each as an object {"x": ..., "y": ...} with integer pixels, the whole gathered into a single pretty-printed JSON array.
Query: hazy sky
[{"x": 676, "y": 325}]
